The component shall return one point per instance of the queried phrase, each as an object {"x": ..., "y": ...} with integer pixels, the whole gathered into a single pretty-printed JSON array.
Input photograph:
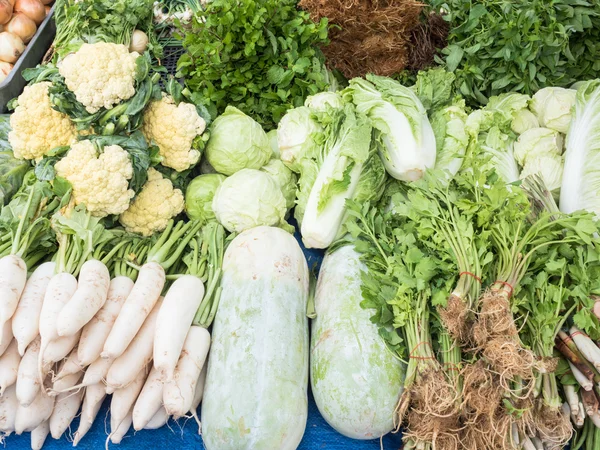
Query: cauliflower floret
[
  {"x": 154, "y": 206},
  {"x": 100, "y": 182},
  {"x": 173, "y": 128},
  {"x": 36, "y": 127},
  {"x": 100, "y": 75}
]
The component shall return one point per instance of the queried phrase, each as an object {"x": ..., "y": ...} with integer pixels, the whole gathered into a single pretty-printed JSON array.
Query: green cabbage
[
  {"x": 294, "y": 135},
  {"x": 552, "y": 106},
  {"x": 285, "y": 178},
  {"x": 538, "y": 141},
  {"x": 524, "y": 120},
  {"x": 199, "y": 196},
  {"x": 451, "y": 137},
  {"x": 323, "y": 100}
]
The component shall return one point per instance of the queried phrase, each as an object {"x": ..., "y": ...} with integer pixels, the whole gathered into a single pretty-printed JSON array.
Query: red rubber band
[
  {"x": 504, "y": 283},
  {"x": 567, "y": 339},
  {"x": 451, "y": 366},
  {"x": 420, "y": 358},
  {"x": 471, "y": 275},
  {"x": 578, "y": 332}
]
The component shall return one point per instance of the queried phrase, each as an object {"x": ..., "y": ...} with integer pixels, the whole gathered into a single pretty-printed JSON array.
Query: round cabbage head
[
  {"x": 237, "y": 142},
  {"x": 320, "y": 101},
  {"x": 199, "y": 196},
  {"x": 552, "y": 106},
  {"x": 549, "y": 167},
  {"x": 293, "y": 132},
  {"x": 537, "y": 141},
  {"x": 285, "y": 178},
  {"x": 524, "y": 120}
]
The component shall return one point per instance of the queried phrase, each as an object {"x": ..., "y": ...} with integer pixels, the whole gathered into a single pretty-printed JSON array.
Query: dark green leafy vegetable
[
  {"x": 260, "y": 56},
  {"x": 12, "y": 170}
]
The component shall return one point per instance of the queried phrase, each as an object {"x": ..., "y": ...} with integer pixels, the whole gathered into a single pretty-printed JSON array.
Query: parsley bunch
[{"x": 259, "y": 56}]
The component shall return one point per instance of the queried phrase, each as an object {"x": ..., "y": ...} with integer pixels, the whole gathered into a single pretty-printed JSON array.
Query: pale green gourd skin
[
  {"x": 355, "y": 379},
  {"x": 256, "y": 387}
]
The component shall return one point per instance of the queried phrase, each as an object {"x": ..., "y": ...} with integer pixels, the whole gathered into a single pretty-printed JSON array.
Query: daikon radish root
[
  {"x": 159, "y": 419},
  {"x": 123, "y": 400},
  {"x": 149, "y": 401},
  {"x": 174, "y": 320},
  {"x": 26, "y": 320},
  {"x": 28, "y": 380},
  {"x": 91, "y": 294},
  {"x": 96, "y": 372},
  {"x": 92, "y": 402},
  {"x": 65, "y": 409},
  {"x": 13, "y": 276},
  {"x": 139, "y": 303},
  {"x": 8, "y": 410},
  {"x": 6, "y": 336},
  {"x": 9, "y": 366},
  {"x": 65, "y": 384},
  {"x": 94, "y": 334},
  {"x": 39, "y": 435},
  {"x": 59, "y": 348},
  {"x": 137, "y": 356},
  {"x": 198, "y": 394},
  {"x": 61, "y": 288},
  {"x": 119, "y": 433},
  {"x": 70, "y": 366},
  {"x": 31, "y": 417},
  {"x": 178, "y": 394}
]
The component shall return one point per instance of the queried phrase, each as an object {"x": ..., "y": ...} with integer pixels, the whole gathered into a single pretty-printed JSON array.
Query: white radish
[
  {"x": 28, "y": 380},
  {"x": 31, "y": 417},
  {"x": 59, "y": 348},
  {"x": 66, "y": 383},
  {"x": 117, "y": 435},
  {"x": 139, "y": 303},
  {"x": 159, "y": 419},
  {"x": 586, "y": 346},
  {"x": 6, "y": 336},
  {"x": 572, "y": 398},
  {"x": 26, "y": 320},
  {"x": 96, "y": 372},
  {"x": 70, "y": 366},
  {"x": 8, "y": 410},
  {"x": 39, "y": 435},
  {"x": 149, "y": 401},
  {"x": 13, "y": 276},
  {"x": 92, "y": 402},
  {"x": 198, "y": 397},
  {"x": 92, "y": 289},
  {"x": 94, "y": 334},
  {"x": 178, "y": 394},
  {"x": 137, "y": 356},
  {"x": 65, "y": 409},
  {"x": 174, "y": 320},
  {"x": 61, "y": 288},
  {"x": 9, "y": 366},
  {"x": 123, "y": 399},
  {"x": 583, "y": 381}
]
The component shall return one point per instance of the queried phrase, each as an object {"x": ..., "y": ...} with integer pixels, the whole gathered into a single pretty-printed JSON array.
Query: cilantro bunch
[{"x": 259, "y": 56}]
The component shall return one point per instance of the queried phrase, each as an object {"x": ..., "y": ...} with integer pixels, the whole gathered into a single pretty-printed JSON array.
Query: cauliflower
[
  {"x": 100, "y": 182},
  {"x": 100, "y": 75},
  {"x": 173, "y": 128},
  {"x": 36, "y": 127},
  {"x": 155, "y": 205}
]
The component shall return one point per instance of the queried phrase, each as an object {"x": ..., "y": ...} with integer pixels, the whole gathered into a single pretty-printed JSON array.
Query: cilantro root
[{"x": 455, "y": 317}]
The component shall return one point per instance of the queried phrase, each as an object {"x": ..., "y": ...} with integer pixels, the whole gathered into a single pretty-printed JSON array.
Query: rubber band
[
  {"x": 452, "y": 366},
  {"x": 504, "y": 283},
  {"x": 577, "y": 333},
  {"x": 421, "y": 358},
  {"x": 566, "y": 339},
  {"x": 471, "y": 274}
]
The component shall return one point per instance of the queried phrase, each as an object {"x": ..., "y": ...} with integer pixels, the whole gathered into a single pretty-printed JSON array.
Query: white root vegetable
[
  {"x": 92, "y": 290},
  {"x": 572, "y": 398},
  {"x": 581, "y": 416},
  {"x": 59, "y": 349},
  {"x": 119, "y": 433},
  {"x": 174, "y": 320},
  {"x": 160, "y": 418},
  {"x": 586, "y": 384},
  {"x": 26, "y": 320},
  {"x": 96, "y": 372},
  {"x": 8, "y": 410},
  {"x": 92, "y": 402},
  {"x": 9, "y": 366},
  {"x": 139, "y": 303},
  {"x": 6, "y": 336},
  {"x": 31, "y": 417},
  {"x": 595, "y": 418},
  {"x": 94, "y": 334},
  {"x": 28, "y": 380},
  {"x": 65, "y": 409},
  {"x": 123, "y": 400},
  {"x": 149, "y": 401},
  {"x": 39, "y": 435},
  {"x": 70, "y": 366},
  {"x": 586, "y": 346},
  {"x": 178, "y": 394},
  {"x": 65, "y": 384},
  {"x": 13, "y": 276},
  {"x": 198, "y": 397},
  {"x": 139, "y": 42},
  {"x": 137, "y": 356}
]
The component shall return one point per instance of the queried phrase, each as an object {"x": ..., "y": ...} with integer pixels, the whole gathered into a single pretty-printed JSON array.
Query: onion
[
  {"x": 5, "y": 69},
  {"x": 139, "y": 42},
  {"x": 6, "y": 11},
  {"x": 47, "y": 2},
  {"x": 34, "y": 9},
  {"x": 11, "y": 47},
  {"x": 22, "y": 26},
  {"x": 47, "y": 9}
]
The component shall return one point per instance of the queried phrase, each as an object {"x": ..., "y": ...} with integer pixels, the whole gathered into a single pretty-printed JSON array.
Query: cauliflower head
[
  {"x": 154, "y": 206},
  {"x": 36, "y": 127},
  {"x": 100, "y": 75},
  {"x": 100, "y": 181},
  {"x": 173, "y": 128}
]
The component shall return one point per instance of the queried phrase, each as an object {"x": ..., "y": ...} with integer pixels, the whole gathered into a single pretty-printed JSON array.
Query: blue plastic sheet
[{"x": 184, "y": 435}]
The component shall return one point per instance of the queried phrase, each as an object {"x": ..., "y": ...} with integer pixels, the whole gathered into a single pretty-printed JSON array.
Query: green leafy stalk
[{"x": 172, "y": 242}]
